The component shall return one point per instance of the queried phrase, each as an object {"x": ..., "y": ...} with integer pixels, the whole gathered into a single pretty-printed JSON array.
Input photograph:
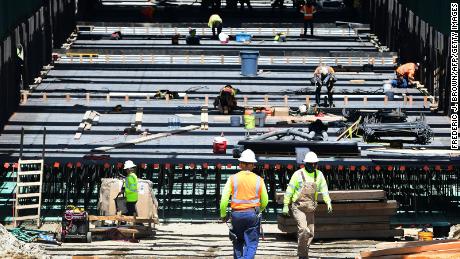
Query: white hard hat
[
  {"x": 248, "y": 156},
  {"x": 129, "y": 164},
  {"x": 311, "y": 157}
]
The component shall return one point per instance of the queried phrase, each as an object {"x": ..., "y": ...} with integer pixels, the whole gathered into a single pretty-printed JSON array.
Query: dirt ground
[{"x": 183, "y": 240}]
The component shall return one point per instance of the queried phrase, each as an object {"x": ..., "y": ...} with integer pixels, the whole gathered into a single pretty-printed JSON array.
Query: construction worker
[
  {"x": 192, "y": 38},
  {"x": 130, "y": 187},
  {"x": 405, "y": 75},
  {"x": 249, "y": 199},
  {"x": 308, "y": 11},
  {"x": 324, "y": 75},
  {"x": 226, "y": 101},
  {"x": 215, "y": 23},
  {"x": 302, "y": 195}
]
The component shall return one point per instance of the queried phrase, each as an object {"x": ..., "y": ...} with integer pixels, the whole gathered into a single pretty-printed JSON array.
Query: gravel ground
[{"x": 181, "y": 240}]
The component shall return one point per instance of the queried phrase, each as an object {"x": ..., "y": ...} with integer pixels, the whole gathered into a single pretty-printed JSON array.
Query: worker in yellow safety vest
[
  {"x": 302, "y": 195},
  {"x": 215, "y": 23},
  {"x": 308, "y": 11},
  {"x": 249, "y": 199},
  {"x": 130, "y": 187}
]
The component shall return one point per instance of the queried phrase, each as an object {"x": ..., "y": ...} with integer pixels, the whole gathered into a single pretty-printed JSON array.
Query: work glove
[
  {"x": 329, "y": 208},
  {"x": 286, "y": 211}
]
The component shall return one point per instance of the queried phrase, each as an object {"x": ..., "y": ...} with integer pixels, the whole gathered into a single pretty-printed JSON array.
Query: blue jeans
[
  {"x": 246, "y": 227},
  {"x": 403, "y": 83}
]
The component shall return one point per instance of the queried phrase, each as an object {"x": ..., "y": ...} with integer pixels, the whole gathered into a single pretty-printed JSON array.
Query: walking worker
[
  {"x": 130, "y": 187},
  {"x": 308, "y": 11},
  {"x": 215, "y": 22},
  {"x": 249, "y": 199},
  {"x": 302, "y": 194}
]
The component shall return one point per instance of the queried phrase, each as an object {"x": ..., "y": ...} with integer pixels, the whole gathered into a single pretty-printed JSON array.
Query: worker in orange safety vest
[
  {"x": 308, "y": 11},
  {"x": 249, "y": 199},
  {"x": 405, "y": 74}
]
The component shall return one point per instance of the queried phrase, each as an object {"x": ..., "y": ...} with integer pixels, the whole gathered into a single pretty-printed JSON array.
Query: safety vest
[
  {"x": 131, "y": 193},
  {"x": 246, "y": 190},
  {"x": 308, "y": 12}
]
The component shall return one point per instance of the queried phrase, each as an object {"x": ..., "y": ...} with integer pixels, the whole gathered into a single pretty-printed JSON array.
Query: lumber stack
[
  {"x": 357, "y": 214},
  {"x": 424, "y": 249}
]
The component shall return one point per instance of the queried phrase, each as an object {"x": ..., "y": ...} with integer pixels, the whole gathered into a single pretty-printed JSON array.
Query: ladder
[{"x": 29, "y": 185}]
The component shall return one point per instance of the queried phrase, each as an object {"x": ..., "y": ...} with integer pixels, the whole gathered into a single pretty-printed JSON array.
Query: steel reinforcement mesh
[{"x": 193, "y": 191}]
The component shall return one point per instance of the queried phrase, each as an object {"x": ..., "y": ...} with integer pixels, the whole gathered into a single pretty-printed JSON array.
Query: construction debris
[
  {"x": 391, "y": 132},
  {"x": 454, "y": 232},
  {"x": 11, "y": 247},
  {"x": 145, "y": 139}
]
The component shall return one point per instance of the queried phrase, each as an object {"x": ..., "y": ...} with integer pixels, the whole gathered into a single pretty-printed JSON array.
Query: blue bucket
[
  {"x": 242, "y": 37},
  {"x": 235, "y": 121}
]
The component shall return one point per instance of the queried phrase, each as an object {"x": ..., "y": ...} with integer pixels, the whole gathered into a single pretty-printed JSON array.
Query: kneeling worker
[
  {"x": 249, "y": 199},
  {"x": 302, "y": 193},
  {"x": 405, "y": 75}
]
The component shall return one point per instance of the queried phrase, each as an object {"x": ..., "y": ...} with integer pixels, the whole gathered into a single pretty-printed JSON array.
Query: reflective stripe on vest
[
  {"x": 308, "y": 12},
  {"x": 235, "y": 192}
]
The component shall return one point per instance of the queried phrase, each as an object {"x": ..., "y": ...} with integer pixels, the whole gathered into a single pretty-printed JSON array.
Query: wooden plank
[
  {"x": 438, "y": 254},
  {"x": 387, "y": 245},
  {"x": 349, "y": 234},
  {"x": 22, "y": 184},
  {"x": 412, "y": 250},
  {"x": 27, "y": 195},
  {"x": 122, "y": 218},
  {"x": 290, "y": 221},
  {"x": 345, "y": 195},
  {"x": 147, "y": 138},
  {"x": 347, "y": 227},
  {"x": 82, "y": 125}
]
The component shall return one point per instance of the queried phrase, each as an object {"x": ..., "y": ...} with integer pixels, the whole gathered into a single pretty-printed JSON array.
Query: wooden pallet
[{"x": 356, "y": 214}]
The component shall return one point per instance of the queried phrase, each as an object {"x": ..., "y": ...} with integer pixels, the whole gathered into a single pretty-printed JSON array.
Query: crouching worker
[
  {"x": 226, "y": 101},
  {"x": 302, "y": 195},
  {"x": 249, "y": 199},
  {"x": 405, "y": 75}
]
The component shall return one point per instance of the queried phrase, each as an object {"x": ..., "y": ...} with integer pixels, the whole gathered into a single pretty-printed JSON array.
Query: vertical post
[
  {"x": 44, "y": 141},
  {"x": 21, "y": 145}
]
